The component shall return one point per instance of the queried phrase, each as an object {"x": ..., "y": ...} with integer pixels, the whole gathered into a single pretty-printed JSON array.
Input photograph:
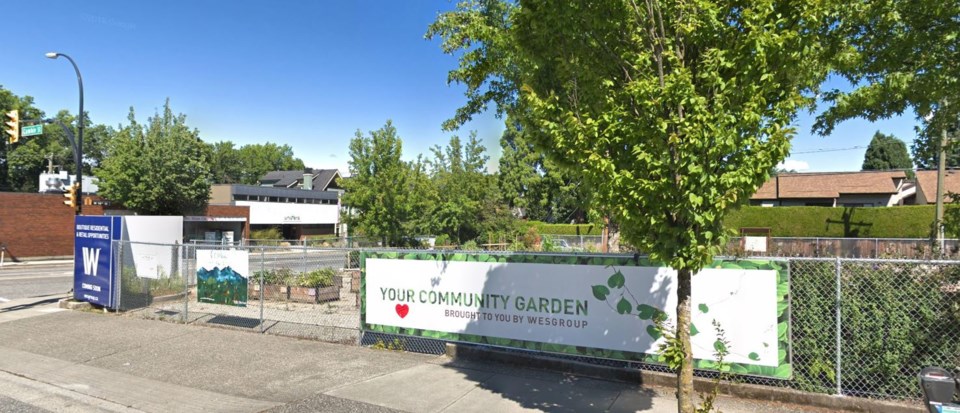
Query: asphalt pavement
[
  {"x": 60, "y": 360},
  {"x": 34, "y": 279}
]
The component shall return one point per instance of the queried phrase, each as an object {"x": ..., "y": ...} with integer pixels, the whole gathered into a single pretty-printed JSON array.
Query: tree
[
  {"x": 535, "y": 186},
  {"x": 226, "y": 166},
  {"x": 376, "y": 192},
  {"x": 926, "y": 149},
  {"x": 901, "y": 54},
  {"x": 17, "y": 160},
  {"x": 675, "y": 109},
  {"x": 156, "y": 169},
  {"x": 458, "y": 174},
  {"x": 258, "y": 159},
  {"x": 885, "y": 153}
]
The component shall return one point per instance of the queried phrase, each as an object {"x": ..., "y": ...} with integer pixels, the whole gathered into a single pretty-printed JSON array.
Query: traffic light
[
  {"x": 71, "y": 195},
  {"x": 13, "y": 126}
]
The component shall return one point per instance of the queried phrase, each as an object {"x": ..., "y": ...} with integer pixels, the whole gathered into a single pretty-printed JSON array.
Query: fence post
[
  {"x": 263, "y": 292},
  {"x": 185, "y": 276},
  {"x": 839, "y": 346},
  {"x": 117, "y": 273}
]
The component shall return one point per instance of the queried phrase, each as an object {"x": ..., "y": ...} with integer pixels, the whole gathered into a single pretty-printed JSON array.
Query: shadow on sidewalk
[
  {"x": 557, "y": 393},
  {"x": 26, "y": 306}
]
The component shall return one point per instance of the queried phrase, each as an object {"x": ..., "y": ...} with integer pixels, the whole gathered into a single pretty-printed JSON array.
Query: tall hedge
[{"x": 881, "y": 222}]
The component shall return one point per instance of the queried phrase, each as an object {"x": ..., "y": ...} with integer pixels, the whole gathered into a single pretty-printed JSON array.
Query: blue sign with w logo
[{"x": 94, "y": 275}]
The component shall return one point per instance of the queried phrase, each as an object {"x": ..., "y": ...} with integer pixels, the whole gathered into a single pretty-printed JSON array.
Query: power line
[{"x": 829, "y": 150}]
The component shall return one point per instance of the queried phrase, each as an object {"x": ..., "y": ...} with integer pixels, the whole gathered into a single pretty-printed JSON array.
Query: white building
[{"x": 300, "y": 203}]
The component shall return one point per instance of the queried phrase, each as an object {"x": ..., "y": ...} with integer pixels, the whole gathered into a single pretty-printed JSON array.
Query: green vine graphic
[{"x": 617, "y": 295}]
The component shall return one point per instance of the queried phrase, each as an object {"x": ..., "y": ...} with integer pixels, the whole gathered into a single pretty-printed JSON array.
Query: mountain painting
[
  {"x": 221, "y": 277},
  {"x": 221, "y": 286}
]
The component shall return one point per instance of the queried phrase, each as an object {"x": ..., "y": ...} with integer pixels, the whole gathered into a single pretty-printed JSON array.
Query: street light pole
[{"x": 78, "y": 150}]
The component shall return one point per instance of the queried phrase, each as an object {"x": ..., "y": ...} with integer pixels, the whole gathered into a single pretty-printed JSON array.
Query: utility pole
[{"x": 941, "y": 166}]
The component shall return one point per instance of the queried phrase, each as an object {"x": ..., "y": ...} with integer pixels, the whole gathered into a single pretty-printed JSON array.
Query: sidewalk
[{"x": 77, "y": 361}]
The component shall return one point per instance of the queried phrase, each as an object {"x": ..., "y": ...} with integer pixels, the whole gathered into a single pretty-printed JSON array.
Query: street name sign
[{"x": 32, "y": 130}]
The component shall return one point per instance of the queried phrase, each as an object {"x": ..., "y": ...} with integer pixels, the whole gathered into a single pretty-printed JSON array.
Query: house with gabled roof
[
  {"x": 927, "y": 186},
  {"x": 837, "y": 189}
]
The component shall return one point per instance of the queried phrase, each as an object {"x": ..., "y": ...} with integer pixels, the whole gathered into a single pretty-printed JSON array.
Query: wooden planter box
[
  {"x": 271, "y": 292},
  {"x": 314, "y": 294}
]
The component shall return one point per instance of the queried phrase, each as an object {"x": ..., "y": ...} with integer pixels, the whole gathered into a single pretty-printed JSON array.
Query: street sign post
[{"x": 32, "y": 130}]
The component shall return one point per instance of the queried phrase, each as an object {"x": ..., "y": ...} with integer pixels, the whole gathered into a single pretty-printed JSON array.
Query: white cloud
[{"x": 794, "y": 165}]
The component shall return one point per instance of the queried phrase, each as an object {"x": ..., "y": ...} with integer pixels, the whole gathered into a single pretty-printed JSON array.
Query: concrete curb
[
  {"x": 71, "y": 304},
  {"x": 650, "y": 378}
]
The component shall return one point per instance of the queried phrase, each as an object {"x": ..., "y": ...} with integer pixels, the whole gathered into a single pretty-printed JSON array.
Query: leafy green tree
[
  {"x": 886, "y": 152},
  {"x": 534, "y": 185},
  {"x": 458, "y": 174},
  {"x": 902, "y": 55},
  {"x": 18, "y": 161},
  {"x": 673, "y": 112},
  {"x": 376, "y": 192},
  {"x": 157, "y": 169},
  {"x": 926, "y": 149},
  {"x": 226, "y": 165},
  {"x": 258, "y": 159}
]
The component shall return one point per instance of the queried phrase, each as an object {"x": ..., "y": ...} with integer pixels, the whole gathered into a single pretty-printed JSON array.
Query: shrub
[
  {"x": 893, "y": 222},
  {"x": 272, "y": 233},
  {"x": 282, "y": 276},
  {"x": 322, "y": 277},
  {"x": 470, "y": 246}
]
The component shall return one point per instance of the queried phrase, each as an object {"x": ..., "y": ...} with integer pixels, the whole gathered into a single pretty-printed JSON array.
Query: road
[{"x": 34, "y": 280}]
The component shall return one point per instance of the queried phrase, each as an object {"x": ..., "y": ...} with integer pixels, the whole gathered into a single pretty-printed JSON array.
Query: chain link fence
[
  {"x": 859, "y": 327},
  {"x": 891, "y": 248},
  {"x": 301, "y": 292}
]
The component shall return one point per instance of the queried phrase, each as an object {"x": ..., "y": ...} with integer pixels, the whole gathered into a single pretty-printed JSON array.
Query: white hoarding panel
[{"x": 566, "y": 307}]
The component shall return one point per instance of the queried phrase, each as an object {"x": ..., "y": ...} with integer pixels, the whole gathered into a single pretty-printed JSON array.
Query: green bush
[
  {"x": 272, "y": 233},
  {"x": 281, "y": 276},
  {"x": 895, "y": 319},
  {"x": 470, "y": 246},
  {"x": 893, "y": 222},
  {"x": 322, "y": 277}
]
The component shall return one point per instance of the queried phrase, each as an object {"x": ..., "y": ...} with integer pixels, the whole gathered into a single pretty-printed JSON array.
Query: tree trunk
[{"x": 685, "y": 393}]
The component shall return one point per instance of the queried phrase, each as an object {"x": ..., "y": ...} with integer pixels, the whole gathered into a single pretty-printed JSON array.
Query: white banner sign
[{"x": 561, "y": 304}]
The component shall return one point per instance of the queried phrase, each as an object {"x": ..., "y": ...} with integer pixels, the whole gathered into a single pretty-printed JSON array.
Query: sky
[{"x": 308, "y": 74}]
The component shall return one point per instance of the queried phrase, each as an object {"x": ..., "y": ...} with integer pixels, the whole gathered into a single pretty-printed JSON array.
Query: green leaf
[
  {"x": 693, "y": 330},
  {"x": 654, "y": 332},
  {"x": 616, "y": 280},
  {"x": 753, "y": 356},
  {"x": 660, "y": 316},
  {"x": 646, "y": 312},
  {"x": 740, "y": 368},
  {"x": 623, "y": 306},
  {"x": 719, "y": 346},
  {"x": 601, "y": 292},
  {"x": 782, "y": 331},
  {"x": 703, "y": 308},
  {"x": 785, "y": 371}
]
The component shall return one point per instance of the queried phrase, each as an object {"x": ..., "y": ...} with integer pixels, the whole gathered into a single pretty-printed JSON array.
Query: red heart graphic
[{"x": 402, "y": 310}]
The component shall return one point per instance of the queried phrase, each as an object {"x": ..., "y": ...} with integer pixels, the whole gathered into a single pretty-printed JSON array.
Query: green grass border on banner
[{"x": 784, "y": 369}]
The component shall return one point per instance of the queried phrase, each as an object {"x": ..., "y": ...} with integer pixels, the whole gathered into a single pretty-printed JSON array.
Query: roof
[
  {"x": 829, "y": 184},
  {"x": 322, "y": 178},
  {"x": 237, "y": 189},
  {"x": 927, "y": 182}
]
